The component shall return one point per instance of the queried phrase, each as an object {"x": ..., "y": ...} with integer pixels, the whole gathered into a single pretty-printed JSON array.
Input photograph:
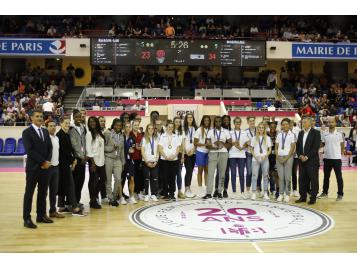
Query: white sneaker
[
  {"x": 153, "y": 198},
  {"x": 253, "y": 196},
  {"x": 280, "y": 198},
  {"x": 266, "y": 196},
  {"x": 189, "y": 194},
  {"x": 296, "y": 194},
  {"x": 261, "y": 195},
  {"x": 146, "y": 198},
  {"x": 286, "y": 199},
  {"x": 202, "y": 191},
  {"x": 123, "y": 201},
  {"x": 105, "y": 201},
  {"x": 247, "y": 194},
  {"x": 244, "y": 196},
  {"x": 141, "y": 197},
  {"x": 132, "y": 200}
]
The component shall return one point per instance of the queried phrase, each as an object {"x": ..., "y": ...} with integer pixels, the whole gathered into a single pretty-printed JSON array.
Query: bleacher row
[
  {"x": 238, "y": 93},
  {"x": 11, "y": 147}
]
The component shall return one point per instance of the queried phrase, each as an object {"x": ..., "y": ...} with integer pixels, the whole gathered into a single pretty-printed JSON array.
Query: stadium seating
[
  {"x": 20, "y": 149},
  {"x": 9, "y": 147}
]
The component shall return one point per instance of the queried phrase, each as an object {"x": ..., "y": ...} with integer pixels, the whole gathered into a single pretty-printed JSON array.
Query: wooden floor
[{"x": 109, "y": 229}]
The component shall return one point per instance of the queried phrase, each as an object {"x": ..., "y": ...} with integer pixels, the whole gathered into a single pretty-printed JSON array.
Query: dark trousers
[
  {"x": 336, "y": 165},
  {"x": 151, "y": 179},
  {"x": 308, "y": 176},
  {"x": 138, "y": 176},
  {"x": 189, "y": 166},
  {"x": 94, "y": 178},
  {"x": 66, "y": 187},
  {"x": 36, "y": 177},
  {"x": 233, "y": 164},
  {"x": 169, "y": 170},
  {"x": 294, "y": 173},
  {"x": 79, "y": 175},
  {"x": 102, "y": 188},
  {"x": 53, "y": 177},
  {"x": 161, "y": 177}
]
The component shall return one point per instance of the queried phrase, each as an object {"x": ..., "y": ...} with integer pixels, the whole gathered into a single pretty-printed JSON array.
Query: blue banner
[
  {"x": 324, "y": 50},
  {"x": 32, "y": 47}
]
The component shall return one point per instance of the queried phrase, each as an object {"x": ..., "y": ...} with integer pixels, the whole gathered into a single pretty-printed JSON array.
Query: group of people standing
[{"x": 151, "y": 161}]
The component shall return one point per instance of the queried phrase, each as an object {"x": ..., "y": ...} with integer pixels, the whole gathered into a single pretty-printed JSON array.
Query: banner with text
[
  {"x": 182, "y": 109},
  {"x": 324, "y": 51},
  {"x": 32, "y": 47}
]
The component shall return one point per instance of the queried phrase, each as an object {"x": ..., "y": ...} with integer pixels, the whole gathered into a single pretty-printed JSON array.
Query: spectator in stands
[
  {"x": 307, "y": 111},
  {"x": 169, "y": 31},
  {"x": 158, "y": 31},
  {"x": 254, "y": 29},
  {"x": 51, "y": 31},
  {"x": 48, "y": 107},
  {"x": 112, "y": 31},
  {"x": 137, "y": 106},
  {"x": 272, "y": 79}
]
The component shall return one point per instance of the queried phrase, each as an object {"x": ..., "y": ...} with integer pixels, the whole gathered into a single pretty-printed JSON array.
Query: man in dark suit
[
  {"x": 307, "y": 149},
  {"x": 38, "y": 146}
]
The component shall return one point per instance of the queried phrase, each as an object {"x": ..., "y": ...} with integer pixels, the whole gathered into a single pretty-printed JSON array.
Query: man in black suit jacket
[
  {"x": 307, "y": 149},
  {"x": 38, "y": 146}
]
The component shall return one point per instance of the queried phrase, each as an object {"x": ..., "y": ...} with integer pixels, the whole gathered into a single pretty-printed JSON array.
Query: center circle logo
[{"x": 232, "y": 220}]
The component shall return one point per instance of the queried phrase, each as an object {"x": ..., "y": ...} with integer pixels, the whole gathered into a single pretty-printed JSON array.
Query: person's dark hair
[
  {"x": 116, "y": 120},
  {"x": 229, "y": 125},
  {"x": 132, "y": 116},
  {"x": 285, "y": 120},
  {"x": 203, "y": 120},
  {"x": 179, "y": 130},
  {"x": 185, "y": 123},
  {"x": 123, "y": 115},
  {"x": 214, "y": 121},
  {"x": 154, "y": 112},
  {"x": 49, "y": 121},
  {"x": 75, "y": 112},
  {"x": 97, "y": 130}
]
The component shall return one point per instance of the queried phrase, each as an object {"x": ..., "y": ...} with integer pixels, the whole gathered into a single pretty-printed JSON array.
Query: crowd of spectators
[
  {"x": 295, "y": 28},
  {"x": 20, "y": 93},
  {"x": 322, "y": 98},
  {"x": 47, "y": 26}
]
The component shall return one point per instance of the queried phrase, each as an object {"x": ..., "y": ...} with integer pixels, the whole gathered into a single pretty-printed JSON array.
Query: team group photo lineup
[
  {"x": 178, "y": 134},
  {"x": 269, "y": 160}
]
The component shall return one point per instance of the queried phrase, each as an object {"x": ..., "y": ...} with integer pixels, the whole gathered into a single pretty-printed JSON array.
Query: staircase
[
  {"x": 290, "y": 97},
  {"x": 71, "y": 98}
]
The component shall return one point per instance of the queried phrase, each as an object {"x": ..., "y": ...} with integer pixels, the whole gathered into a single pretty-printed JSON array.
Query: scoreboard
[{"x": 124, "y": 51}]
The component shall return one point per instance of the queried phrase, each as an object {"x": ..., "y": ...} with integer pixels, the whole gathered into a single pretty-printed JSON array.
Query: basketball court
[{"x": 229, "y": 225}]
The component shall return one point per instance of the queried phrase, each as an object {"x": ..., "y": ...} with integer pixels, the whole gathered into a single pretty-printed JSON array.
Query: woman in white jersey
[
  {"x": 237, "y": 157},
  {"x": 150, "y": 154},
  {"x": 189, "y": 127},
  {"x": 202, "y": 152},
  {"x": 260, "y": 148}
]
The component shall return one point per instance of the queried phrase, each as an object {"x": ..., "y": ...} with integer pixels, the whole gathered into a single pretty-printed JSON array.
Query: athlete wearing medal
[
  {"x": 169, "y": 147},
  {"x": 218, "y": 142},
  {"x": 189, "y": 151},
  {"x": 150, "y": 153},
  {"x": 260, "y": 148}
]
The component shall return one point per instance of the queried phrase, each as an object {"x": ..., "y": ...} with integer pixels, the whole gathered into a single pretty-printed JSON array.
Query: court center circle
[{"x": 232, "y": 220}]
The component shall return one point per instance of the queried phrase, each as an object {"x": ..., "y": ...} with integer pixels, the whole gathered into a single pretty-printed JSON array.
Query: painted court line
[{"x": 255, "y": 245}]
